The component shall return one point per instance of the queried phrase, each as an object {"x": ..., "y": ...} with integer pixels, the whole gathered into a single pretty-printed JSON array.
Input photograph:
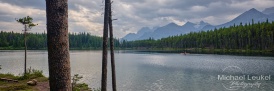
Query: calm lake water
[{"x": 143, "y": 71}]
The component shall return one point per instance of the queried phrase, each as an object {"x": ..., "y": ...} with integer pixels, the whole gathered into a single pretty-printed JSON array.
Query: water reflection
[{"x": 141, "y": 71}]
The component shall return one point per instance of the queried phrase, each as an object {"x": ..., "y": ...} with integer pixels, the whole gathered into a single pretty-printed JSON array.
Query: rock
[
  {"x": 3, "y": 79},
  {"x": 32, "y": 82},
  {"x": 8, "y": 80}
]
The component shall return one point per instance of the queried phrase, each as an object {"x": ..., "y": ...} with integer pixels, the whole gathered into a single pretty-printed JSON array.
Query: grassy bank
[
  {"x": 21, "y": 85},
  {"x": 23, "y": 48}
]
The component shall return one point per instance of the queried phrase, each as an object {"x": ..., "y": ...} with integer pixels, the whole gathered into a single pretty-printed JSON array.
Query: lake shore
[
  {"x": 241, "y": 52},
  {"x": 10, "y": 82}
]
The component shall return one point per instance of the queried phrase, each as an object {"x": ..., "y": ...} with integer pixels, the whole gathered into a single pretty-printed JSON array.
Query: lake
[{"x": 148, "y": 71}]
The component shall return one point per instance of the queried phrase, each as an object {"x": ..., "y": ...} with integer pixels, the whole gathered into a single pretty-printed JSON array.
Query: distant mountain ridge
[
  {"x": 141, "y": 32},
  {"x": 244, "y": 18},
  {"x": 269, "y": 11},
  {"x": 173, "y": 29}
]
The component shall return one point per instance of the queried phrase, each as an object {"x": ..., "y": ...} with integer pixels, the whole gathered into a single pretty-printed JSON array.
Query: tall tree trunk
[
  {"x": 112, "y": 51},
  {"x": 25, "y": 35},
  {"x": 58, "y": 45},
  {"x": 105, "y": 40}
]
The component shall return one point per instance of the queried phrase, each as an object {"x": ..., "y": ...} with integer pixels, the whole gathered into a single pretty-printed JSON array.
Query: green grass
[
  {"x": 81, "y": 86},
  {"x": 15, "y": 87},
  {"x": 31, "y": 74},
  {"x": 9, "y": 76},
  {"x": 21, "y": 85}
]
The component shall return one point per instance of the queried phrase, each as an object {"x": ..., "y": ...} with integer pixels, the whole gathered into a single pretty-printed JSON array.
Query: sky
[{"x": 87, "y": 15}]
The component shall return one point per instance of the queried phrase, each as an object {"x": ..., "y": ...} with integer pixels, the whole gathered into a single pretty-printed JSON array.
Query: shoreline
[{"x": 239, "y": 52}]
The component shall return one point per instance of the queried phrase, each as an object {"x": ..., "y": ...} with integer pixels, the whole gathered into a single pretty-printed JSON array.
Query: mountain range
[{"x": 173, "y": 29}]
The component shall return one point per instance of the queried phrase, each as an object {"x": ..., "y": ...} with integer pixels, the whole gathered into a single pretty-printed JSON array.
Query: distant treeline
[
  {"x": 11, "y": 40},
  {"x": 251, "y": 36},
  {"x": 259, "y": 36}
]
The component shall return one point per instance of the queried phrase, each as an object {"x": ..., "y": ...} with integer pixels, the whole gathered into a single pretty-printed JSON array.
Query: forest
[
  {"x": 251, "y": 36},
  {"x": 11, "y": 40}
]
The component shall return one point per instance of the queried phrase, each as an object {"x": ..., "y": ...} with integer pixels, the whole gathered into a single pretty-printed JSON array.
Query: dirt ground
[{"x": 43, "y": 86}]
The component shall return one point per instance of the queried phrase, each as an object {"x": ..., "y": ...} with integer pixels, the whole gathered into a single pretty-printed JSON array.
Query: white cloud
[
  {"x": 11, "y": 12},
  {"x": 198, "y": 8},
  {"x": 258, "y": 4},
  {"x": 172, "y": 19},
  {"x": 86, "y": 19}
]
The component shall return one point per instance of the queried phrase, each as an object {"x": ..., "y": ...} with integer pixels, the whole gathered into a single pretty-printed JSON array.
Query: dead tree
[
  {"x": 112, "y": 51},
  {"x": 105, "y": 45}
]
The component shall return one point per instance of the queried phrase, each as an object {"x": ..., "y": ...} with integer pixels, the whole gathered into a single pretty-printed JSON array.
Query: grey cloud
[
  {"x": 93, "y": 5},
  {"x": 39, "y": 4},
  {"x": 179, "y": 8},
  {"x": 134, "y": 14},
  {"x": 182, "y": 8}
]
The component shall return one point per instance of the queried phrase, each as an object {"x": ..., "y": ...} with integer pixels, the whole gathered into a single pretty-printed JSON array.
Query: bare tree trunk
[
  {"x": 112, "y": 51},
  {"x": 105, "y": 52},
  {"x": 58, "y": 45},
  {"x": 25, "y": 35}
]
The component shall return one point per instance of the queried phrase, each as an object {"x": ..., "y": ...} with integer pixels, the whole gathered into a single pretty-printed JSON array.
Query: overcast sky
[{"x": 86, "y": 15}]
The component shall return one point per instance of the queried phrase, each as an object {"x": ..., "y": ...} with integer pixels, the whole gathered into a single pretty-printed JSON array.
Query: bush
[
  {"x": 80, "y": 86},
  {"x": 31, "y": 74}
]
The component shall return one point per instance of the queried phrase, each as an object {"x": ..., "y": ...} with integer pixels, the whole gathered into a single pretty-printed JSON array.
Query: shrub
[
  {"x": 31, "y": 74},
  {"x": 80, "y": 86}
]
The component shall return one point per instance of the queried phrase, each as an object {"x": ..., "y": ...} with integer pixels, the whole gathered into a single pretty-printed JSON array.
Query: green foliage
[
  {"x": 76, "y": 78},
  {"x": 11, "y": 40},
  {"x": 21, "y": 84},
  {"x": 80, "y": 86},
  {"x": 16, "y": 87},
  {"x": 26, "y": 21},
  {"x": 258, "y": 36},
  {"x": 9, "y": 76},
  {"x": 31, "y": 74}
]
